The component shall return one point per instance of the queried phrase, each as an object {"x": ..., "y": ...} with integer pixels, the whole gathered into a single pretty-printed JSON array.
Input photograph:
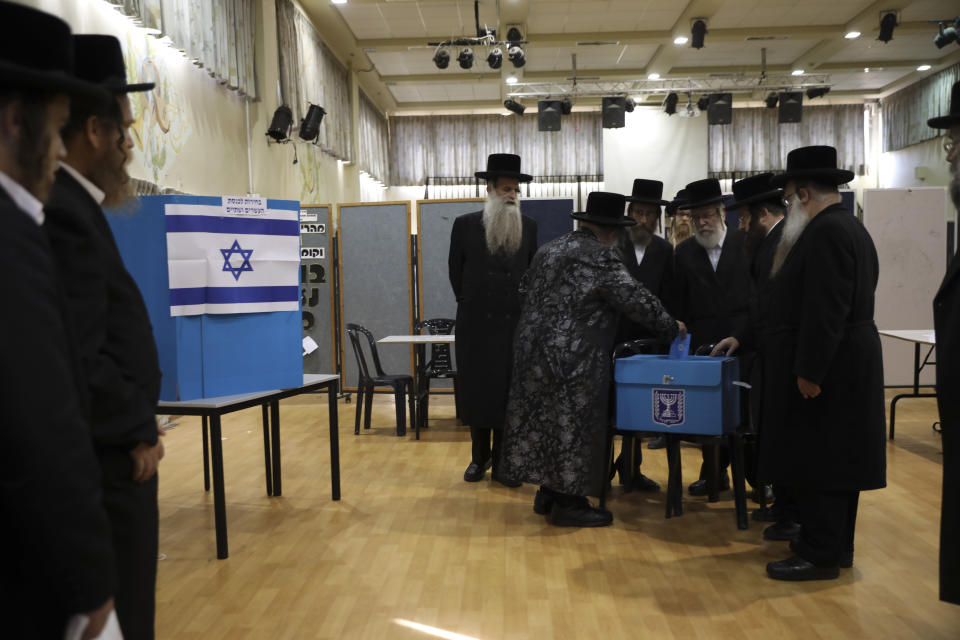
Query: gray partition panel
[
  {"x": 375, "y": 280},
  {"x": 316, "y": 281}
]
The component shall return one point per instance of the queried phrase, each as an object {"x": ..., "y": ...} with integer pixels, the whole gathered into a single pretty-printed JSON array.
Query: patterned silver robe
[{"x": 557, "y": 413}]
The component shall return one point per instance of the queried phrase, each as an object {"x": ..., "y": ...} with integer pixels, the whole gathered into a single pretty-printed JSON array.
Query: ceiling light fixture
[
  {"x": 772, "y": 101},
  {"x": 817, "y": 92},
  {"x": 923, "y": 67},
  {"x": 441, "y": 58},
  {"x": 947, "y": 34},
  {"x": 698, "y": 30},
  {"x": 465, "y": 59},
  {"x": 339, "y": 1},
  {"x": 852, "y": 35},
  {"x": 514, "y": 106},
  {"x": 310, "y": 126},
  {"x": 866, "y": 69},
  {"x": 280, "y": 124},
  {"x": 653, "y": 76},
  {"x": 511, "y": 80},
  {"x": 887, "y": 23},
  {"x": 797, "y": 72},
  {"x": 495, "y": 59},
  {"x": 703, "y": 103},
  {"x": 517, "y": 56},
  {"x": 630, "y": 105},
  {"x": 681, "y": 40}
]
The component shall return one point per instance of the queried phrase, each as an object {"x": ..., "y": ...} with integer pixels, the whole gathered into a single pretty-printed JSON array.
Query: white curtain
[
  {"x": 905, "y": 113},
  {"x": 373, "y": 141},
  {"x": 219, "y": 35},
  {"x": 756, "y": 142},
  {"x": 424, "y": 147},
  {"x": 311, "y": 74}
]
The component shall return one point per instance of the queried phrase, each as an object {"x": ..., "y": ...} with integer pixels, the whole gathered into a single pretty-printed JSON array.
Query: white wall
[
  {"x": 898, "y": 169},
  {"x": 655, "y": 146}
]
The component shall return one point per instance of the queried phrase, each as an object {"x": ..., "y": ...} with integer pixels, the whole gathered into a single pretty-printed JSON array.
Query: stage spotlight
[
  {"x": 630, "y": 105},
  {"x": 670, "y": 104},
  {"x": 703, "y": 103},
  {"x": 465, "y": 59},
  {"x": 772, "y": 100},
  {"x": 947, "y": 35},
  {"x": 310, "y": 127},
  {"x": 817, "y": 92},
  {"x": 887, "y": 23},
  {"x": 566, "y": 106},
  {"x": 514, "y": 106},
  {"x": 280, "y": 124},
  {"x": 517, "y": 56},
  {"x": 514, "y": 35},
  {"x": 441, "y": 58},
  {"x": 495, "y": 59},
  {"x": 698, "y": 31}
]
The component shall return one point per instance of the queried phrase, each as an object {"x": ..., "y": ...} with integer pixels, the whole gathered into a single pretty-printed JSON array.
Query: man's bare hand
[
  {"x": 146, "y": 459},
  {"x": 681, "y": 330},
  {"x": 98, "y": 620},
  {"x": 727, "y": 346},
  {"x": 807, "y": 389}
]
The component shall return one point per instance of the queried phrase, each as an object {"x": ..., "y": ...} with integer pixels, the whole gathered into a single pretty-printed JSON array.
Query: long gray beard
[
  {"x": 793, "y": 226},
  {"x": 502, "y": 226}
]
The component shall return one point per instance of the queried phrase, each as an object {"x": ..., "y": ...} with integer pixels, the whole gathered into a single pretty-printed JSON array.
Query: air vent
[{"x": 761, "y": 38}]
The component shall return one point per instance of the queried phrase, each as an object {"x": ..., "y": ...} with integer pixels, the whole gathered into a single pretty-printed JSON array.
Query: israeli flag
[{"x": 233, "y": 255}]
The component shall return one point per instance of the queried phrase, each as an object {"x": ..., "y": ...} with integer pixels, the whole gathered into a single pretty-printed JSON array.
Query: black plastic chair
[
  {"x": 440, "y": 365},
  {"x": 401, "y": 384}
]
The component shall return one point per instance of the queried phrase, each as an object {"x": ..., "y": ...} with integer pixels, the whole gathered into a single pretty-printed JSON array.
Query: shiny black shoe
[
  {"x": 643, "y": 483},
  {"x": 796, "y": 569},
  {"x": 763, "y": 495},
  {"x": 543, "y": 501},
  {"x": 507, "y": 482},
  {"x": 846, "y": 559},
  {"x": 580, "y": 515},
  {"x": 660, "y": 442},
  {"x": 782, "y": 531},
  {"x": 699, "y": 488},
  {"x": 475, "y": 472}
]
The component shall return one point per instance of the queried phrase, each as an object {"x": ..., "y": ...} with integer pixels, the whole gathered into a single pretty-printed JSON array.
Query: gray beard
[
  {"x": 639, "y": 235},
  {"x": 502, "y": 226},
  {"x": 796, "y": 221}
]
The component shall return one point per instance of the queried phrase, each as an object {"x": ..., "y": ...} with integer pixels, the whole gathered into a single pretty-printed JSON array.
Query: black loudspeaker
[
  {"x": 614, "y": 110},
  {"x": 720, "y": 108},
  {"x": 791, "y": 107},
  {"x": 548, "y": 115}
]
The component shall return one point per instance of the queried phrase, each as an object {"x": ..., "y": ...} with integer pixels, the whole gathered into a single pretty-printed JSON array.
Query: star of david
[{"x": 244, "y": 253}]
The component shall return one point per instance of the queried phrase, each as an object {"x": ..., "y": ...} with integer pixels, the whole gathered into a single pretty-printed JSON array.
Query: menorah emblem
[{"x": 668, "y": 406}]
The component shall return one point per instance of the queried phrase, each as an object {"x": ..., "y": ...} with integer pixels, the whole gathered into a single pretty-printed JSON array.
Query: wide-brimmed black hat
[
  {"x": 755, "y": 189},
  {"x": 818, "y": 163},
  {"x": 503, "y": 165},
  {"x": 36, "y": 53},
  {"x": 678, "y": 201},
  {"x": 701, "y": 193},
  {"x": 647, "y": 191},
  {"x": 99, "y": 59},
  {"x": 952, "y": 118},
  {"x": 605, "y": 208}
]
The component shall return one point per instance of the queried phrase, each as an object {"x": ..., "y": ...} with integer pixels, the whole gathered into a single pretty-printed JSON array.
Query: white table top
[
  {"x": 219, "y": 402},
  {"x": 442, "y": 339},
  {"x": 923, "y": 336}
]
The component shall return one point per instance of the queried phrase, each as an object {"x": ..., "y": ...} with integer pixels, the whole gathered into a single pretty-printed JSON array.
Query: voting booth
[
  {"x": 696, "y": 395},
  {"x": 221, "y": 281}
]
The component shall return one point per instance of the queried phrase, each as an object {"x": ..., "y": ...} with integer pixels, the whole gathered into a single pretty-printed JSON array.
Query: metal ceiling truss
[{"x": 732, "y": 83}]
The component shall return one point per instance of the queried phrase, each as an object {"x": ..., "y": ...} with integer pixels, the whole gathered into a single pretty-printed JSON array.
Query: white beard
[
  {"x": 793, "y": 226},
  {"x": 708, "y": 239},
  {"x": 502, "y": 225}
]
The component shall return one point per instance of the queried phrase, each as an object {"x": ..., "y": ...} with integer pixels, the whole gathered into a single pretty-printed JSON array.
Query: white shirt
[
  {"x": 22, "y": 198},
  {"x": 714, "y": 254},
  {"x": 91, "y": 188},
  {"x": 639, "y": 250},
  {"x": 773, "y": 227}
]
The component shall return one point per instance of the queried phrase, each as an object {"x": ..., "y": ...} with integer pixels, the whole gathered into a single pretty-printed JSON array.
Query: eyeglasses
[
  {"x": 949, "y": 145},
  {"x": 704, "y": 217},
  {"x": 787, "y": 196}
]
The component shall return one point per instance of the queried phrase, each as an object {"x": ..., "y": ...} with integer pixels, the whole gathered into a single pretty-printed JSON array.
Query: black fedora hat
[
  {"x": 99, "y": 59},
  {"x": 701, "y": 193},
  {"x": 605, "y": 208},
  {"x": 503, "y": 165},
  {"x": 647, "y": 191},
  {"x": 755, "y": 189},
  {"x": 36, "y": 53},
  {"x": 678, "y": 201},
  {"x": 952, "y": 118},
  {"x": 818, "y": 163}
]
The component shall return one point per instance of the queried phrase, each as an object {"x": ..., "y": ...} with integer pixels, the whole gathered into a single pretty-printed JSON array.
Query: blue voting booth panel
[
  {"x": 212, "y": 354},
  {"x": 695, "y": 395}
]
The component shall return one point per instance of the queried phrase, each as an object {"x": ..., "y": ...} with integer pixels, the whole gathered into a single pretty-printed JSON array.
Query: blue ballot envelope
[{"x": 695, "y": 395}]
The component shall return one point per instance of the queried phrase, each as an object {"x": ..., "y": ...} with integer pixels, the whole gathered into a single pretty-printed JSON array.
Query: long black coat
[
  {"x": 713, "y": 304},
  {"x": 557, "y": 417},
  {"x": 821, "y": 328},
  {"x": 656, "y": 273},
  {"x": 946, "y": 319},
  {"x": 59, "y": 559},
  {"x": 488, "y": 306}
]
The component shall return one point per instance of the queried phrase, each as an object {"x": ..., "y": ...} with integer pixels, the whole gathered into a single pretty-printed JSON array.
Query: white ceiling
[{"x": 393, "y": 35}]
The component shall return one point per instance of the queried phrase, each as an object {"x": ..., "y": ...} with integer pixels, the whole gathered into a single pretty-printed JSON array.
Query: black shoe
[
  {"x": 543, "y": 501},
  {"x": 475, "y": 472},
  {"x": 846, "y": 559},
  {"x": 796, "y": 569},
  {"x": 580, "y": 514},
  {"x": 657, "y": 443},
  {"x": 783, "y": 530},
  {"x": 699, "y": 488},
  {"x": 763, "y": 495},
  {"x": 507, "y": 482},
  {"x": 643, "y": 483}
]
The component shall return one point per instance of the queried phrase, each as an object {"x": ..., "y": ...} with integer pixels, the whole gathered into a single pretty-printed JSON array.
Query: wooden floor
[{"x": 412, "y": 542}]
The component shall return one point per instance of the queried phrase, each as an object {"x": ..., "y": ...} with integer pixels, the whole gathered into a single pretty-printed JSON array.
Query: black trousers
[
  {"x": 482, "y": 451},
  {"x": 134, "y": 521},
  {"x": 785, "y": 503},
  {"x": 829, "y": 521}
]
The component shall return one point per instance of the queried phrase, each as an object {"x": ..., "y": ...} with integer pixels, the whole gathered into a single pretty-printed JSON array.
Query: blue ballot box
[{"x": 695, "y": 395}]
